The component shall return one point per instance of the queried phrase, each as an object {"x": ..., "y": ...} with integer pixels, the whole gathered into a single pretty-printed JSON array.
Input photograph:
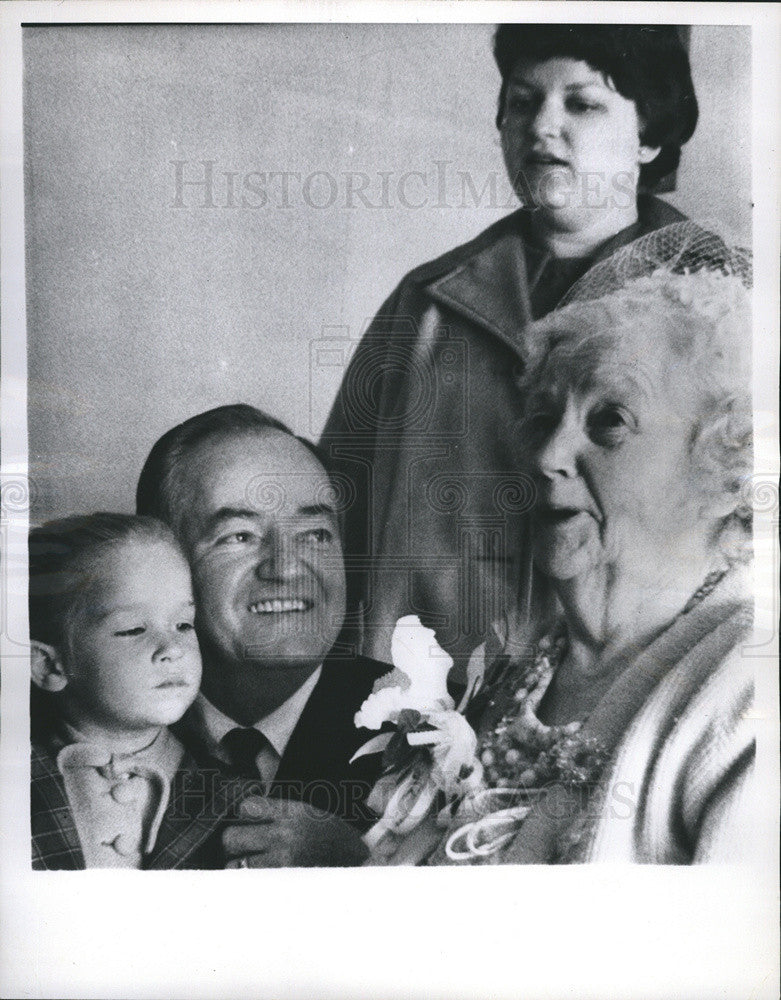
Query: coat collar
[
  {"x": 202, "y": 798},
  {"x": 489, "y": 285}
]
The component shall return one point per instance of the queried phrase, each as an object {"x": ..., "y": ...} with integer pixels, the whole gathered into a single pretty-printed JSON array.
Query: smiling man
[
  {"x": 255, "y": 511},
  {"x": 263, "y": 541}
]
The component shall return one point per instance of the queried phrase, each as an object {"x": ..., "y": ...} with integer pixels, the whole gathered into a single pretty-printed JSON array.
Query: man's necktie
[{"x": 243, "y": 744}]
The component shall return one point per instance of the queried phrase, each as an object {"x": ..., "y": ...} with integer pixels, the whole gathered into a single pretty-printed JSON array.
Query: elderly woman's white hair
[{"x": 703, "y": 320}]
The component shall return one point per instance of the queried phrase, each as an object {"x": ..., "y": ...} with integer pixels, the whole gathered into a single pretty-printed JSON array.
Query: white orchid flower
[
  {"x": 449, "y": 761},
  {"x": 453, "y": 748},
  {"x": 418, "y": 680}
]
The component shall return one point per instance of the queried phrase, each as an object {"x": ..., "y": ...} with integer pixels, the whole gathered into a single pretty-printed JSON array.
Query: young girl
[{"x": 115, "y": 661}]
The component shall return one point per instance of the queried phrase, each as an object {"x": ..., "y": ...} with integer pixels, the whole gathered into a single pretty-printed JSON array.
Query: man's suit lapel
[
  {"x": 315, "y": 766},
  {"x": 325, "y": 737}
]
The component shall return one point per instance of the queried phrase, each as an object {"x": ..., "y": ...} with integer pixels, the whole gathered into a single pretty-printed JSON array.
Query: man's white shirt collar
[{"x": 277, "y": 727}]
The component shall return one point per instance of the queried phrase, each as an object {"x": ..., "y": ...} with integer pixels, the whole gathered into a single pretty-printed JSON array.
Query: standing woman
[{"x": 591, "y": 118}]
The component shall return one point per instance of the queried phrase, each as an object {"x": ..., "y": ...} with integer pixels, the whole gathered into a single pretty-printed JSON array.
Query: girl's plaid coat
[{"x": 202, "y": 800}]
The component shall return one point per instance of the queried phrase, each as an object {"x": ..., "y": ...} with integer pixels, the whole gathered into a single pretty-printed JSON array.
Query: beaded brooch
[{"x": 520, "y": 751}]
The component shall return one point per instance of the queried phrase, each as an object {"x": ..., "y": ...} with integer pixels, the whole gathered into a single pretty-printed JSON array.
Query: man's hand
[{"x": 271, "y": 833}]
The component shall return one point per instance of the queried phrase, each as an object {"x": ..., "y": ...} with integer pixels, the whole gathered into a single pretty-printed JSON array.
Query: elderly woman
[
  {"x": 590, "y": 118},
  {"x": 623, "y": 736}
]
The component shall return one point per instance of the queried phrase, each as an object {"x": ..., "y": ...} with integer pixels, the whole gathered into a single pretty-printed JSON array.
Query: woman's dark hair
[
  {"x": 648, "y": 64},
  {"x": 158, "y": 492},
  {"x": 62, "y": 564}
]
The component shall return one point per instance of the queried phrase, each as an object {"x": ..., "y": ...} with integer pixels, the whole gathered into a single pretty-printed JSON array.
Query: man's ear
[
  {"x": 647, "y": 153},
  {"x": 46, "y": 667}
]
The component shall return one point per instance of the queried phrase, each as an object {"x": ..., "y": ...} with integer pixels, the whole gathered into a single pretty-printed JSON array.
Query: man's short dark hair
[
  {"x": 158, "y": 493},
  {"x": 647, "y": 63}
]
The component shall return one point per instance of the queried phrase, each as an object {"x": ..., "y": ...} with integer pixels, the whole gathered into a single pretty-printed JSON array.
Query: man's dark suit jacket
[{"x": 315, "y": 766}]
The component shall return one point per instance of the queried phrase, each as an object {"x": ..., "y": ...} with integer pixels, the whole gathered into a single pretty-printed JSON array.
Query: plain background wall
[{"x": 150, "y": 299}]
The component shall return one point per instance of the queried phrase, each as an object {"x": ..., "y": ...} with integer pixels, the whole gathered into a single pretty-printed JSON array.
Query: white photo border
[{"x": 598, "y": 932}]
